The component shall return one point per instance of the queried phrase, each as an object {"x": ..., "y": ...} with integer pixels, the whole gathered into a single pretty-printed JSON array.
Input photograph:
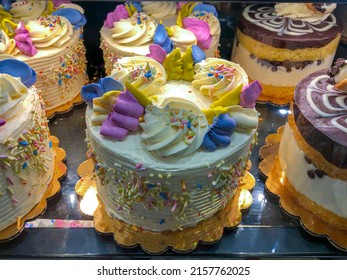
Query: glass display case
[{"x": 265, "y": 231}]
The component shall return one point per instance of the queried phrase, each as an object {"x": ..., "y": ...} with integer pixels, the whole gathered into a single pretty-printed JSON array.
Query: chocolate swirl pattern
[
  {"x": 265, "y": 17},
  {"x": 325, "y": 107}
]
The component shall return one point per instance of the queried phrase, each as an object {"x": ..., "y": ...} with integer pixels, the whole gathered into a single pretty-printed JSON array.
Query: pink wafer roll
[
  {"x": 124, "y": 121},
  {"x": 109, "y": 129},
  {"x": 131, "y": 109}
]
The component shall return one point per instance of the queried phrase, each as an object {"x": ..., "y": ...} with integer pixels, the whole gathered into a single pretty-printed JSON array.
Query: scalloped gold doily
[
  {"x": 270, "y": 167},
  {"x": 62, "y": 109},
  {"x": 208, "y": 231},
  {"x": 15, "y": 229}
]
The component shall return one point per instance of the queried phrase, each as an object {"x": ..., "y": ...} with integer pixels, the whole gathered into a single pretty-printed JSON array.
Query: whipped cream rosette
[
  {"x": 144, "y": 73},
  {"x": 174, "y": 127},
  {"x": 27, "y": 10}
]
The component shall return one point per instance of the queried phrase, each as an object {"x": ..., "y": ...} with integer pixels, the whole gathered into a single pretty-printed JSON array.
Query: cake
[
  {"x": 129, "y": 31},
  {"x": 313, "y": 150},
  {"x": 26, "y": 156},
  {"x": 279, "y": 45},
  {"x": 47, "y": 36},
  {"x": 171, "y": 140}
]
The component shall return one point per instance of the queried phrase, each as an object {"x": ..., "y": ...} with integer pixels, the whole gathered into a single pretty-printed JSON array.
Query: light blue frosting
[
  {"x": 162, "y": 39},
  {"x": 206, "y": 8},
  {"x": 75, "y": 17},
  {"x": 19, "y": 69},
  {"x": 93, "y": 90}
]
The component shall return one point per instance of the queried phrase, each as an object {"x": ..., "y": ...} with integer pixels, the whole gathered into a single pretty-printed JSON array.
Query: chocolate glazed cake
[
  {"x": 313, "y": 150},
  {"x": 279, "y": 47}
]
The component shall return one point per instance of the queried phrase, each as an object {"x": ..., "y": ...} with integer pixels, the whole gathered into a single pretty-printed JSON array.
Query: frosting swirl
[
  {"x": 145, "y": 73},
  {"x": 75, "y": 17},
  {"x": 7, "y": 45},
  {"x": 11, "y": 93},
  {"x": 27, "y": 10},
  {"x": 135, "y": 31},
  {"x": 175, "y": 128},
  {"x": 51, "y": 31},
  {"x": 182, "y": 38},
  {"x": 159, "y": 9},
  {"x": 216, "y": 78}
]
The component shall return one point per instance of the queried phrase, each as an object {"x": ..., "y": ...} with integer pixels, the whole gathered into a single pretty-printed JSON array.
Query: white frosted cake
[
  {"x": 313, "y": 150},
  {"x": 129, "y": 31},
  {"x": 49, "y": 39},
  {"x": 26, "y": 157},
  {"x": 170, "y": 152}
]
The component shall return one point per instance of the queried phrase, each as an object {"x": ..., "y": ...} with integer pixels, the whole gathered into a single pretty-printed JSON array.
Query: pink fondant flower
[
  {"x": 119, "y": 13},
  {"x": 23, "y": 41},
  {"x": 201, "y": 30}
]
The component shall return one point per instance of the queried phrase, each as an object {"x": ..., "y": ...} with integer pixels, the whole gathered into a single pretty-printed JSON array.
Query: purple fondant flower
[
  {"x": 23, "y": 41},
  {"x": 2, "y": 122}
]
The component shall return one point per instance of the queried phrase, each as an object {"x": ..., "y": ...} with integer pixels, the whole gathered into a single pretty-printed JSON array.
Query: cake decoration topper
[
  {"x": 19, "y": 69},
  {"x": 157, "y": 52},
  {"x": 162, "y": 39},
  {"x": 23, "y": 40},
  {"x": 119, "y": 13},
  {"x": 305, "y": 11},
  {"x": 338, "y": 74}
]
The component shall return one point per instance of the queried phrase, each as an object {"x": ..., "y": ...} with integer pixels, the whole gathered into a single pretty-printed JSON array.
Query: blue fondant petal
[
  {"x": 198, "y": 54},
  {"x": 75, "y": 17},
  {"x": 91, "y": 91},
  {"x": 17, "y": 68},
  {"x": 220, "y": 140},
  {"x": 224, "y": 121},
  {"x": 109, "y": 84},
  {"x": 208, "y": 143},
  {"x": 137, "y": 6},
  {"x": 160, "y": 35}
]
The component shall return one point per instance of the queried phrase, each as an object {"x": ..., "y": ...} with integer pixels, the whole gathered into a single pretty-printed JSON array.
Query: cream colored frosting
[
  {"x": 327, "y": 192},
  {"x": 12, "y": 91},
  {"x": 26, "y": 169},
  {"x": 182, "y": 38},
  {"x": 27, "y": 10},
  {"x": 135, "y": 31},
  {"x": 159, "y": 9},
  {"x": 185, "y": 132},
  {"x": 134, "y": 69},
  {"x": 51, "y": 31},
  {"x": 7, "y": 45}
]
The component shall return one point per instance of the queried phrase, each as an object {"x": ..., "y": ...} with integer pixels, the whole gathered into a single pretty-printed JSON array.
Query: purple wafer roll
[{"x": 124, "y": 121}]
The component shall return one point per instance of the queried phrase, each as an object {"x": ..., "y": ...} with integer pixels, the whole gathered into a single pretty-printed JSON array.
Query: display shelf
[
  {"x": 63, "y": 231},
  {"x": 265, "y": 231}
]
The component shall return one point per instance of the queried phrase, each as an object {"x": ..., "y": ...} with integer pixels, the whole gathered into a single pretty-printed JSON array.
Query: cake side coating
[{"x": 26, "y": 157}]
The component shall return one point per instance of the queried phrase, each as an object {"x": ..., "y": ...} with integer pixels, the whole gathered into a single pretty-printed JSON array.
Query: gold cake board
[
  {"x": 208, "y": 231},
  {"x": 271, "y": 168},
  {"x": 64, "y": 108},
  {"x": 60, "y": 169}
]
